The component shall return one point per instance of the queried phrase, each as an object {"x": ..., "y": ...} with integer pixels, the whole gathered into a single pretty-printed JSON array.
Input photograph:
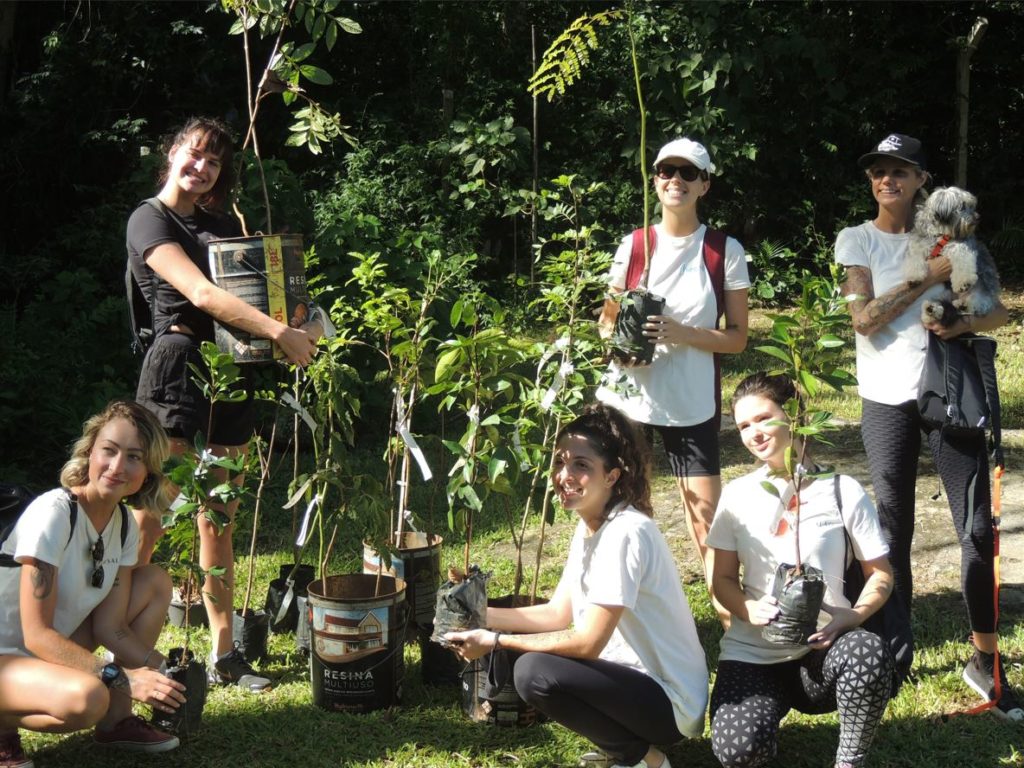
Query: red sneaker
[
  {"x": 135, "y": 735},
  {"x": 11, "y": 753}
]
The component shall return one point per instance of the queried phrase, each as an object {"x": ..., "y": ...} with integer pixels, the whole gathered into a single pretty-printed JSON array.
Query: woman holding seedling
[
  {"x": 891, "y": 347},
  {"x": 702, "y": 275},
  {"x": 614, "y": 656},
  {"x": 167, "y": 251},
  {"x": 843, "y": 666},
  {"x": 68, "y": 583}
]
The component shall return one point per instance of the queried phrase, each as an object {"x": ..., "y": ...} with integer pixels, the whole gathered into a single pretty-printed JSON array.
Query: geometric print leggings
[{"x": 749, "y": 700}]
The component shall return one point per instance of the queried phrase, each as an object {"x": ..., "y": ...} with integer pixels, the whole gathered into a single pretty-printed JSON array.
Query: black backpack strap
[
  {"x": 850, "y": 554},
  {"x": 124, "y": 524}
]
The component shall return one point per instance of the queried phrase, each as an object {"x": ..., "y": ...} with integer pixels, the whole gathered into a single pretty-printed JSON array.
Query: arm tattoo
[
  {"x": 121, "y": 684},
  {"x": 42, "y": 580},
  {"x": 121, "y": 634}
]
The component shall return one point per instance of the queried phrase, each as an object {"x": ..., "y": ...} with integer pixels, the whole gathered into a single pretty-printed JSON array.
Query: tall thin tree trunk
[{"x": 963, "y": 100}]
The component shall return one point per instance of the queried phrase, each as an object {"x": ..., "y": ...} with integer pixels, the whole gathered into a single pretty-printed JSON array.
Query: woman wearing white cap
[
  {"x": 891, "y": 344},
  {"x": 702, "y": 275}
]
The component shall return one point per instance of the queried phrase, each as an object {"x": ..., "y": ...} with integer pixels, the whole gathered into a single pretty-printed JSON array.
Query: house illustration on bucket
[{"x": 346, "y": 636}]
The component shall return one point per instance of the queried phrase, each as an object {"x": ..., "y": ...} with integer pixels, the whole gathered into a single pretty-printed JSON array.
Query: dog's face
[{"x": 951, "y": 211}]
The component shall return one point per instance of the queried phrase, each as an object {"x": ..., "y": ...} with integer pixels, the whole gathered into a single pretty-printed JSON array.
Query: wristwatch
[{"x": 113, "y": 676}]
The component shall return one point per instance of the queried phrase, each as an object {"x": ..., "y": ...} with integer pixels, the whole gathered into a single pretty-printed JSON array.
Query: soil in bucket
[
  {"x": 357, "y": 636},
  {"x": 184, "y": 722},
  {"x": 266, "y": 272},
  {"x": 418, "y": 564},
  {"x": 799, "y": 596},
  {"x": 250, "y": 632}
]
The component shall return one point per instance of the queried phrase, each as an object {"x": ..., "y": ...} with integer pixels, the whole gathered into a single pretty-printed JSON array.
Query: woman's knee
[
  {"x": 864, "y": 656},
  {"x": 531, "y": 677},
  {"x": 152, "y": 584},
  {"x": 80, "y": 702},
  {"x": 739, "y": 743}
]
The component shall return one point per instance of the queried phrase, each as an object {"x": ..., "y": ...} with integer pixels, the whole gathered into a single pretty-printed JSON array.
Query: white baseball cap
[{"x": 687, "y": 149}]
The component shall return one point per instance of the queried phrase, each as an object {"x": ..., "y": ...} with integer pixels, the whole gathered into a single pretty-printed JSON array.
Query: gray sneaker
[
  {"x": 233, "y": 669},
  {"x": 595, "y": 758},
  {"x": 979, "y": 674}
]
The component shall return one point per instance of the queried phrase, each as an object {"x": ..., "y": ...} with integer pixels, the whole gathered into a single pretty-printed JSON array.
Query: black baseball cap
[{"x": 899, "y": 146}]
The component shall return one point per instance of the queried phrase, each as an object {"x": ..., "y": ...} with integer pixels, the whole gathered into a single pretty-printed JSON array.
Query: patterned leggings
[
  {"x": 892, "y": 441},
  {"x": 750, "y": 700}
]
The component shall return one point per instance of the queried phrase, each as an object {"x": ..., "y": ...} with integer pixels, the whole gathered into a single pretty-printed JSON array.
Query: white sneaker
[{"x": 644, "y": 764}]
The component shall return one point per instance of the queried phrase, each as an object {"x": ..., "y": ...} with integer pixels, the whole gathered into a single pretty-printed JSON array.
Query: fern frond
[{"x": 564, "y": 60}]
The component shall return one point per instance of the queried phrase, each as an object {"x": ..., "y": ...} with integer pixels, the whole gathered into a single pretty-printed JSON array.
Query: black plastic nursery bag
[
  {"x": 799, "y": 598},
  {"x": 461, "y": 605},
  {"x": 628, "y": 340}
]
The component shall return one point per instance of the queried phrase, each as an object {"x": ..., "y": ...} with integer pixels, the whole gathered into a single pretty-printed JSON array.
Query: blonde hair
[{"x": 154, "y": 493}]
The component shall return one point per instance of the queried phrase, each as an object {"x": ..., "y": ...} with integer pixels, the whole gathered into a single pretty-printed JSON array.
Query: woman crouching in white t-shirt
[
  {"x": 614, "y": 656},
  {"x": 843, "y": 667},
  {"x": 70, "y": 585}
]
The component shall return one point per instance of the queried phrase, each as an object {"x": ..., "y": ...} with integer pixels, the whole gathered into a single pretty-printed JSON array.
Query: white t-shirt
[
  {"x": 678, "y": 387},
  {"x": 627, "y": 563},
  {"x": 43, "y": 533},
  {"x": 748, "y": 522},
  {"x": 890, "y": 360}
]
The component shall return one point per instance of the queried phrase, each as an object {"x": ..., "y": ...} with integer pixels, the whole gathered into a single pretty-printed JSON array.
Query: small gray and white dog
[{"x": 951, "y": 214}]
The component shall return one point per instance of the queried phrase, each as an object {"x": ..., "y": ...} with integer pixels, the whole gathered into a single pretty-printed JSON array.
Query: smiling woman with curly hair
[{"x": 630, "y": 673}]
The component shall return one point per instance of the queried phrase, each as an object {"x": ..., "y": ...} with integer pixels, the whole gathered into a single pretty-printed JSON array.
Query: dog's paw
[
  {"x": 963, "y": 280},
  {"x": 932, "y": 311}
]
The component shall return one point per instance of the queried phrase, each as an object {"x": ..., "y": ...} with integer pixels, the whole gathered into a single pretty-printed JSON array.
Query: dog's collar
[{"x": 939, "y": 245}]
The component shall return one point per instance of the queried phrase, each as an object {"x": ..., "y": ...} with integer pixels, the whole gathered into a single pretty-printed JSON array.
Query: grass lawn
[{"x": 283, "y": 728}]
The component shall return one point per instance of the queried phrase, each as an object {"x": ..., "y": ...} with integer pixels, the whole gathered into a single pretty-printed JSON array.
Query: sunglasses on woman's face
[
  {"x": 686, "y": 172},
  {"x": 97, "y": 563}
]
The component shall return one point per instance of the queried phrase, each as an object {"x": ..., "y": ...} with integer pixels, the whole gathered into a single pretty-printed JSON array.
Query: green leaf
[
  {"x": 348, "y": 25},
  {"x": 775, "y": 352},
  {"x": 315, "y": 75},
  {"x": 445, "y": 363},
  {"x": 303, "y": 52},
  {"x": 495, "y": 468},
  {"x": 770, "y": 487}
]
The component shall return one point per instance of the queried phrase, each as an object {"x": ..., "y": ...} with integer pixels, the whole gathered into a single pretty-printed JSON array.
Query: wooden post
[{"x": 963, "y": 85}]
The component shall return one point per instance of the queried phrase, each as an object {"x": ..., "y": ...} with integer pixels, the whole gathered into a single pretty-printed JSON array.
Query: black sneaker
[
  {"x": 233, "y": 669},
  {"x": 979, "y": 674}
]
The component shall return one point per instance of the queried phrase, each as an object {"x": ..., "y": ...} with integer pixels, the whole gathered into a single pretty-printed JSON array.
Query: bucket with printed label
[
  {"x": 266, "y": 272},
  {"x": 357, "y": 632}
]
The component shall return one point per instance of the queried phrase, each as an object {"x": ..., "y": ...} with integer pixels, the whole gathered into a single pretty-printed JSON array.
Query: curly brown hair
[
  {"x": 206, "y": 134},
  {"x": 621, "y": 445}
]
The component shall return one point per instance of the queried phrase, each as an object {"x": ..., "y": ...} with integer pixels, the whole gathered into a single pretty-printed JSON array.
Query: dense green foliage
[{"x": 785, "y": 95}]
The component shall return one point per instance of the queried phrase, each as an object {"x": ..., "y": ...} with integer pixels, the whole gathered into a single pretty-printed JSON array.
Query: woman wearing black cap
[{"x": 891, "y": 344}]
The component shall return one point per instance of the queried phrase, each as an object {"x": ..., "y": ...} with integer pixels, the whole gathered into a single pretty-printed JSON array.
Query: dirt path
[{"x": 936, "y": 555}]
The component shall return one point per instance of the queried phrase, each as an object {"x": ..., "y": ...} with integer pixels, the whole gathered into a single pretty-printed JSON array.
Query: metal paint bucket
[
  {"x": 357, "y": 637},
  {"x": 266, "y": 272}
]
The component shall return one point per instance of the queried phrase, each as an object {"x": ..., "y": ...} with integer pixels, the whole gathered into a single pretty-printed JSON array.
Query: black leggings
[
  {"x": 750, "y": 700},
  {"x": 892, "y": 441},
  {"x": 620, "y": 709}
]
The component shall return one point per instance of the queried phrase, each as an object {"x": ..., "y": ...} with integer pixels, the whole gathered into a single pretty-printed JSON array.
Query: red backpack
[{"x": 714, "y": 262}]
